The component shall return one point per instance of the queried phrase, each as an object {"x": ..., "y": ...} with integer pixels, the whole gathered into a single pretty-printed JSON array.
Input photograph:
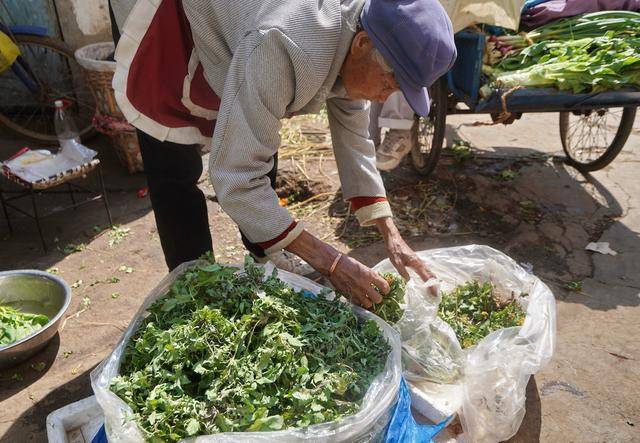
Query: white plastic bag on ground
[
  {"x": 368, "y": 425},
  {"x": 492, "y": 375}
]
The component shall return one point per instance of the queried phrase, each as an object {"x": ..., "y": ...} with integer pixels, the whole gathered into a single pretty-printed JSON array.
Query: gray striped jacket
[{"x": 270, "y": 59}]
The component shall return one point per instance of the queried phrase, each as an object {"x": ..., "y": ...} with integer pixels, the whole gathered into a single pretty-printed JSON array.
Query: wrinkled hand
[
  {"x": 400, "y": 254},
  {"x": 356, "y": 281},
  {"x": 350, "y": 277}
]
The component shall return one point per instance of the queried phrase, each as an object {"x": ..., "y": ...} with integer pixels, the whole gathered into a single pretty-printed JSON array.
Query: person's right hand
[
  {"x": 350, "y": 278},
  {"x": 358, "y": 283}
]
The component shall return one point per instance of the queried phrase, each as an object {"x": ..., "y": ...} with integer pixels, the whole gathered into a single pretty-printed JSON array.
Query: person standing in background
[{"x": 396, "y": 115}]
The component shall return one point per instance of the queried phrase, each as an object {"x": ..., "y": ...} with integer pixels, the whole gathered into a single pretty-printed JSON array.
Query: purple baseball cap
[{"x": 416, "y": 38}]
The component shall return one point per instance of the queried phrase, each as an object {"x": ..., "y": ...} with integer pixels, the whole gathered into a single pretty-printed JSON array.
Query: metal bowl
[{"x": 35, "y": 292}]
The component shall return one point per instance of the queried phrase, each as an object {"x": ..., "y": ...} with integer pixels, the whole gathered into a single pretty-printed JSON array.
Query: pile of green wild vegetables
[
  {"x": 589, "y": 53},
  {"x": 471, "y": 309},
  {"x": 16, "y": 325},
  {"x": 226, "y": 351},
  {"x": 473, "y": 312}
]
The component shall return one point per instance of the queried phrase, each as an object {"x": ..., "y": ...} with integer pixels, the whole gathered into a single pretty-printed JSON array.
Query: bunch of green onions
[{"x": 596, "y": 24}]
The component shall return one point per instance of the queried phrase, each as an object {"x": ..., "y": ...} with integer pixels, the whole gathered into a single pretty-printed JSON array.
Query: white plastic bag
[
  {"x": 367, "y": 425},
  {"x": 493, "y": 374}
]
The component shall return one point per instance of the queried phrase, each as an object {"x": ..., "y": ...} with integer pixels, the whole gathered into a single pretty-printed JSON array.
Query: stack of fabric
[{"x": 536, "y": 13}]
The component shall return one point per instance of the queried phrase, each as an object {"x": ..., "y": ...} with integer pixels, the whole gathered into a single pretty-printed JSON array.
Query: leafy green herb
[
  {"x": 226, "y": 351},
  {"x": 117, "y": 234},
  {"x": 574, "y": 286},
  {"x": 623, "y": 24},
  {"x": 507, "y": 174},
  {"x": 38, "y": 367},
  {"x": 473, "y": 312},
  {"x": 390, "y": 308},
  {"x": 596, "y": 64},
  {"x": 461, "y": 150},
  {"x": 15, "y": 325},
  {"x": 71, "y": 248}
]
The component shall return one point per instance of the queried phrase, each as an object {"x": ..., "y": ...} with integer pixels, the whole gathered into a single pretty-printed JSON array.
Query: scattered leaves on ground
[
  {"x": 461, "y": 150},
  {"x": 575, "y": 286},
  {"x": 507, "y": 174},
  {"x": 38, "y": 367},
  {"x": 72, "y": 248},
  {"x": 117, "y": 234}
]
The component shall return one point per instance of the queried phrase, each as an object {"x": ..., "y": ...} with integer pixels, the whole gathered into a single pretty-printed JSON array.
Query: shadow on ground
[
  {"x": 65, "y": 230},
  {"x": 536, "y": 209},
  {"x": 31, "y": 425}
]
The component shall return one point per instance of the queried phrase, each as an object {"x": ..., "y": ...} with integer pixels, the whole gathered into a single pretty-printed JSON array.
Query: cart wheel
[
  {"x": 428, "y": 132},
  {"x": 592, "y": 139}
]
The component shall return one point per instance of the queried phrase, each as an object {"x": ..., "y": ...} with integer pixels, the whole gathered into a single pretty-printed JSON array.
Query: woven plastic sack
[
  {"x": 494, "y": 373},
  {"x": 369, "y": 424},
  {"x": 9, "y": 51}
]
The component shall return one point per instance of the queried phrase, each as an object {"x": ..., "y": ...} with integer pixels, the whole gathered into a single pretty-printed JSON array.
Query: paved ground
[{"x": 544, "y": 215}]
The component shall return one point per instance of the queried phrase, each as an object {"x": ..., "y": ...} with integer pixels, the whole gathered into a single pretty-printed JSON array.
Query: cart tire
[
  {"x": 428, "y": 132},
  {"x": 595, "y": 142}
]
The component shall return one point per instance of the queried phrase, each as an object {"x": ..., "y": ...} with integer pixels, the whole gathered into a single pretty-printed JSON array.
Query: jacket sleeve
[
  {"x": 356, "y": 159},
  {"x": 260, "y": 84}
]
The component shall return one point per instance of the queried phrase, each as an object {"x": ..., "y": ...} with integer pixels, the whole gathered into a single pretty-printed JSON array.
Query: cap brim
[{"x": 418, "y": 98}]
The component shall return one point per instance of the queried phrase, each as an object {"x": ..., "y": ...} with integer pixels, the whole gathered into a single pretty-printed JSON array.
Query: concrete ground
[{"x": 542, "y": 213}]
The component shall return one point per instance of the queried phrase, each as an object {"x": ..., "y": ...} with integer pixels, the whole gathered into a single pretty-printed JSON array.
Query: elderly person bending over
[{"x": 187, "y": 67}]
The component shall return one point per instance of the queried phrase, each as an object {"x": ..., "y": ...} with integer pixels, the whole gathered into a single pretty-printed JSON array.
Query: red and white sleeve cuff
[
  {"x": 368, "y": 209},
  {"x": 284, "y": 239}
]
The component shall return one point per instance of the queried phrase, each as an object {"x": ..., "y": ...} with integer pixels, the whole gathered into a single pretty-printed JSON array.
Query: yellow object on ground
[{"x": 8, "y": 52}]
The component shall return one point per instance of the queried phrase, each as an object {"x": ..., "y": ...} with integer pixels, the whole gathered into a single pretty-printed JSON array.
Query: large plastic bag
[
  {"x": 367, "y": 425},
  {"x": 492, "y": 375},
  {"x": 463, "y": 13}
]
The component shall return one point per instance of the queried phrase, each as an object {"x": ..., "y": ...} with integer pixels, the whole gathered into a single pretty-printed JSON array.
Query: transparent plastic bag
[
  {"x": 367, "y": 425},
  {"x": 494, "y": 373}
]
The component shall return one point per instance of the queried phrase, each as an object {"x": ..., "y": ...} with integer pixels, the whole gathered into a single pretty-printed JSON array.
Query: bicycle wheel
[
  {"x": 592, "y": 139},
  {"x": 428, "y": 132},
  {"x": 45, "y": 72}
]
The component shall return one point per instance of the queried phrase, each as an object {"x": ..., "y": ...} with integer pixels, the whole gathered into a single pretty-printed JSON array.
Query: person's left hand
[{"x": 400, "y": 254}]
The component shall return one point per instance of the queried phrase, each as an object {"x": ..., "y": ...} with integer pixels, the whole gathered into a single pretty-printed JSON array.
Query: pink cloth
[{"x": 557, "y": 9}]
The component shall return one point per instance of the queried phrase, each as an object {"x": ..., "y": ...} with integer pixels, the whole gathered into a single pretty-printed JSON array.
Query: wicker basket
[{"x": 100, "y": 75}]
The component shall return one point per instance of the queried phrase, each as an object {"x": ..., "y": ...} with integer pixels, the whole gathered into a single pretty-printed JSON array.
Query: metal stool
[{"x": 46, "y": 186}]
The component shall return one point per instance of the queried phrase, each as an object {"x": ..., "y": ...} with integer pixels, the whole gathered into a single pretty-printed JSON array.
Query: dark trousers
[{"x": 178, "y": 204}]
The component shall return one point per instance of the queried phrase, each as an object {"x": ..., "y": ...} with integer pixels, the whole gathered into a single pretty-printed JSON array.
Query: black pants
[{"x": 178, "y": 204}]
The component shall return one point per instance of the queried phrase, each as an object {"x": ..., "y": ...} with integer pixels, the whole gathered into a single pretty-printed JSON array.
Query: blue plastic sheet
[
  {"x": 403, "y": 427},
  {"x": 101, "y": 436}
]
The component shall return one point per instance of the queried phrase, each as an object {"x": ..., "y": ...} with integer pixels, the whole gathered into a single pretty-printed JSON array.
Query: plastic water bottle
[{"x": 66, "y": 128}]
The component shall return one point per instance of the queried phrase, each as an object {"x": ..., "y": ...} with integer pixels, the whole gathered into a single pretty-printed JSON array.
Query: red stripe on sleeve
[
  {"x": 361, "y": 202},
  {"x": 268, "y": 244}
]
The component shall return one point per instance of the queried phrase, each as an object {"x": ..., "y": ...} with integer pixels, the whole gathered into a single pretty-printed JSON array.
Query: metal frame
[{"x": 72, "y": 189}]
